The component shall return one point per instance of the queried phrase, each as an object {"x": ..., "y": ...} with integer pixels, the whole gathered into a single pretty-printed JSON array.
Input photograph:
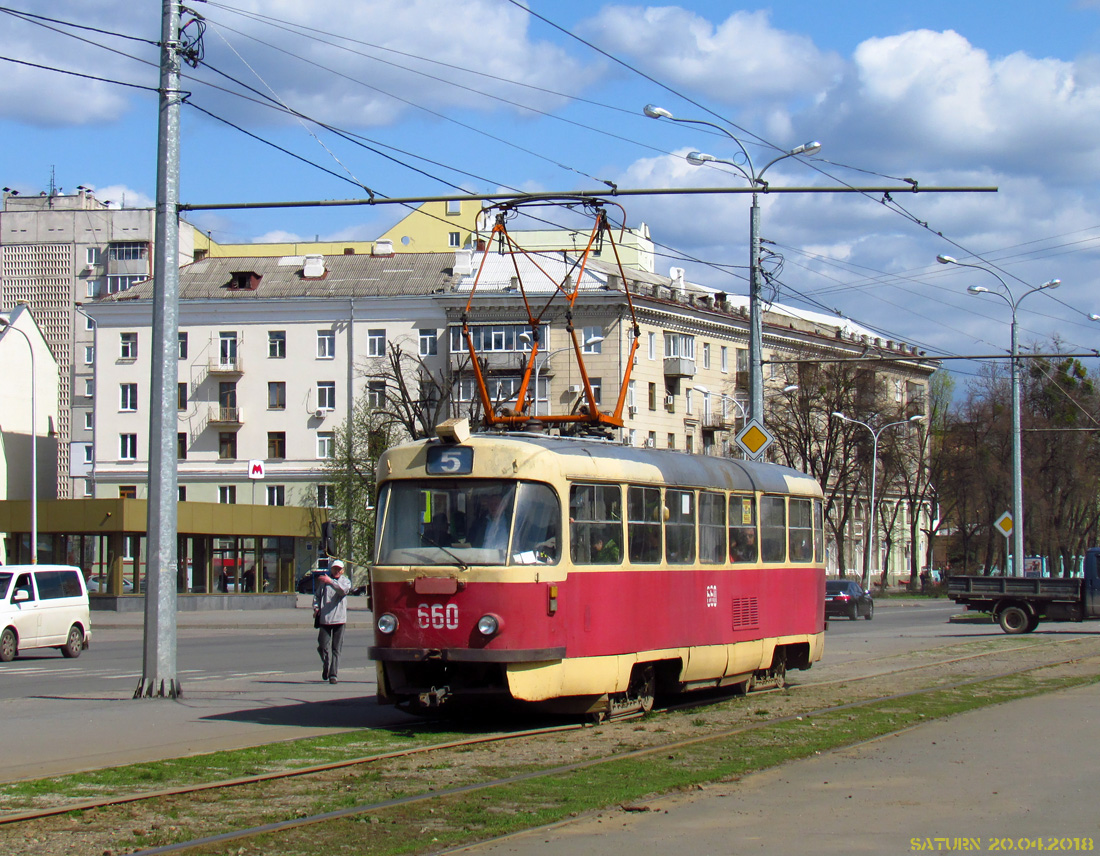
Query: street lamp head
[
  {"x": 655, "y": 112},
  {"x": 810, "y": 148},
  {"x": 698, "y": 158},
  {"x": 918, "y": 417},
  {"x": 593, "y": 340},
  {"x": 946, "y": 260},
  {"x": 977, "y": 289},
  {"x": 839, "y": 415},
  {"x": 1054, "y": 283},
  {"x": 1094, "y": 317},
  {"x": 791, "y": 387}
]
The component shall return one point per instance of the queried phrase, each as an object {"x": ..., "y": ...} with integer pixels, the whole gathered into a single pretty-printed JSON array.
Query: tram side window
[
  {"x": 595, "y": 524},
  {"x": 643, "y": 510},
  {"x": 743, "y": 529},
  {"x": 819, "y": 531},
  {"x": 773, "y": 528},
  {"x": 712, "y": 528},
  {"x": 680, "y": 527},
  {"x": 800, "y": 533}
]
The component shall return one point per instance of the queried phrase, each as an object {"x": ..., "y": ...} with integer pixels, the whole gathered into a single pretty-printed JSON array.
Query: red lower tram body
[{"x": 594, "y": 641}]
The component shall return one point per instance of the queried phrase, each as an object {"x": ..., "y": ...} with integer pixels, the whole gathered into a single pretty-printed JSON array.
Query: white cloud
[
  {"x": 737, "y": 61},
  {"x": 121, "y": 196}
]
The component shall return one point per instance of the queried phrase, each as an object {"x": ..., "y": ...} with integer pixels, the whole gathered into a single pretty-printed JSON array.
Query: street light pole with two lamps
[
  {"x": 756, "y": 180},
  {"x": 875, "y": 434},
  {"x": 1017, "y": 450}
]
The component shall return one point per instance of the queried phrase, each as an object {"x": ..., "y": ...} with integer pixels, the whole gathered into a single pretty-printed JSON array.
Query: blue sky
[{"x": 948, "y": 93}]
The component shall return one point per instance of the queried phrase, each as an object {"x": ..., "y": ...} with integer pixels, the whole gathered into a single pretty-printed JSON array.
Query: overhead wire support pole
[{"x": 158, "y": 673}]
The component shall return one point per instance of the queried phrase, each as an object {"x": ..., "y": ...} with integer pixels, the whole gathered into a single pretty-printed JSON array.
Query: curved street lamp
[
  {"x": 756, "y": 179},
  {"x": 875, "y": 433},
  {"x": 539, "y": 366},
  {"x": 1017, "y": 452},
  {"x": 7, "y": 325}
]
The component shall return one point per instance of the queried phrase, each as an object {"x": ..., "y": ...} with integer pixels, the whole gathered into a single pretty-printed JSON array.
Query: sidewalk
[{"x": 235, "y": 619}]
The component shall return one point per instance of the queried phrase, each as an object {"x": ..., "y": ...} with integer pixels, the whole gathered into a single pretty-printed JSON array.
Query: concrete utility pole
[{"x": 158, "y": 671}]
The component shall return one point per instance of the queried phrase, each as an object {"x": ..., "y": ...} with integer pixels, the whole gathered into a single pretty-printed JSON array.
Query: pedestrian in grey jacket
[{"x": 330, "y": 613}]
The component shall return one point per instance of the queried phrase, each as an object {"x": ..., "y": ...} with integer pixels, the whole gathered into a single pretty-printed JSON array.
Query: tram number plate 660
[{"x": 437, "y": 616}]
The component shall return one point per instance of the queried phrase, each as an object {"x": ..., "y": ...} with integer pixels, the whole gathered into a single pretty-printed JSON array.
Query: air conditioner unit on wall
[
  {"x": 631, "y": 410},
  {"x": 320, "y": 414}
]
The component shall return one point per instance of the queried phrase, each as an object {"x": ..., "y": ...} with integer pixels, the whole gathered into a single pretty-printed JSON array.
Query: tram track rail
[{"x": 16, "y": 820}]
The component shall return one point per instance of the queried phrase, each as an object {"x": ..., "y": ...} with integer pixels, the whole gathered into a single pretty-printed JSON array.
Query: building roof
[{"x": 396, "y": 275}]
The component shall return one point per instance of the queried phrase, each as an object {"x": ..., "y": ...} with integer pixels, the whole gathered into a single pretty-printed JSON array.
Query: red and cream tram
[{"x": 586, "y": 576}]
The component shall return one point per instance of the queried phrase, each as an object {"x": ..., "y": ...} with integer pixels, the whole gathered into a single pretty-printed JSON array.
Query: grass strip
[{"x": 450, "y": 821}]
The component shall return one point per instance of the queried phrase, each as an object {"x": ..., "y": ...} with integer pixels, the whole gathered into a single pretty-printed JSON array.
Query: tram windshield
[{"x": 468, "y": 522}]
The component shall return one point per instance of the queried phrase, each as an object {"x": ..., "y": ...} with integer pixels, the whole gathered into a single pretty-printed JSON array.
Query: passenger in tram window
[
  {"x": 605, "y": 551},
  {"x": 491, "y": 527},
  {"x": 742, "y": 545}
]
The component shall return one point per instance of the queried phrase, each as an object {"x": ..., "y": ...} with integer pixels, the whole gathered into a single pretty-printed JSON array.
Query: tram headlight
[
  {"x": 387, "y": 623},
  {"x": 489, "y": 625}
]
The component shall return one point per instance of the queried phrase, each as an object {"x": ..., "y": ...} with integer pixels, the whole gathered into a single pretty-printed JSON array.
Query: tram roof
[{"x": 607, "y": 461}]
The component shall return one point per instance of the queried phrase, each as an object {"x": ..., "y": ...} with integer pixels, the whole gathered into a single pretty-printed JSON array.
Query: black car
[{"x": 847, "y": 597}]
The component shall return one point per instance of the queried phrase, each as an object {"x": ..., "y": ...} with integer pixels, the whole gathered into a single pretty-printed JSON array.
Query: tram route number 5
[{"x": 437, "y": 616}]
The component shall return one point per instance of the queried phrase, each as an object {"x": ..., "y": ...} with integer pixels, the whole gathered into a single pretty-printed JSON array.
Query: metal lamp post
[
  {"x": 875, "y": 434},
  {"x": 1017, "y": 450},
  {"x": 755, "y": 178},
  {"x": 4, "y": 323}
]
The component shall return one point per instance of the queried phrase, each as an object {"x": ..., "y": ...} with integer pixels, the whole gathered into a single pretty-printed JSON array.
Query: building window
[
  {"x": 227, "y": 494},
  {"x": 89, "y": 454},
  {"x": 128, "y": 252},
  {"x": 276, "y": 444},
  {"x": 326, "y": 445},
  {"x": 181, "y": 396},
  {"x": 742, "y": 356},
  {"x": 325, "y": 496},
  {"x": 651, "y": 439},
  {"x": 690, "y": 441},
  {"x": 181, "y": 446},
  {"x": 454, "y": 239},
  {"x": 183, "y": 346},
  {"x": 597, "y": 388},
  {"x": 724, "y": 358},
  {"x": 227, "y": 349},
  {"x": 680, "y": 345},
  {"x": 592, "y": 343},
  {"x": 89, "y": 387},
  {"x": 429, "y": 343},
  {"x": 127, "y": 491},
  {"x": 326, "y": 344},
  {"x": 227, "y": 400},
  {"x": 117, "y": 282},
  {"x": 181, "y": 493},
  {"x": 454, "y": 206},
  {"x": 276, "y": 494},
  {"x": 630, "y": 402},
  {"x": 672, "y": 441},
  {"x": 127, "y": 447},
  {"x": 326, "y": 395},
  {"x": 652, "y": 345},
  {"x": 276, "y": 344},
  {"x": 128, "y": 346},
  {"x": 498, "y": 337},
  {"x": 376, "y": 393},
  {"x": 127, "y": 397},
  {"x": 91, "y": 255},
  {"x": 276, "y": 395},
  {"x": 706, "y": 355},
  {"x": 89, "y": 355},
  {"x": 689, "y": 400},
  {"x": 89, "y": 421},
  {"x": 90, "y": 287},
  {"x": 653, "y": 396},
  {"x": 376, "y": 343},
  {"x": 89, "y": 488},
  {"x": 227, "y": 445}
]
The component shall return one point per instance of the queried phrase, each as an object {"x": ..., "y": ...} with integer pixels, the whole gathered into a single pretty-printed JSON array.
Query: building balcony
[
  {"x": 225, "y": 417},
  {"x": 224, "y": 367},
  {"x": 679, "y": 367}
]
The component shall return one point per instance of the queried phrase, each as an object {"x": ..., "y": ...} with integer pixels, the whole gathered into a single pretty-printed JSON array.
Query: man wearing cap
[{"x": 330, "y": 612}]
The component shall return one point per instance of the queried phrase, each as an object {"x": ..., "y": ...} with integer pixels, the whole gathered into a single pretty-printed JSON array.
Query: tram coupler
[{"x": 435, "y": 697}]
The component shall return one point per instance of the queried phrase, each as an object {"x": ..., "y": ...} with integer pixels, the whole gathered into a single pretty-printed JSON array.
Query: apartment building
[
  {"x": 273, "y": 354},
  {"x": 58, "y": 251}
]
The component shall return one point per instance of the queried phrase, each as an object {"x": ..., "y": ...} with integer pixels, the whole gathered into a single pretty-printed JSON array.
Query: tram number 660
[{"x": 437, "y": 616}]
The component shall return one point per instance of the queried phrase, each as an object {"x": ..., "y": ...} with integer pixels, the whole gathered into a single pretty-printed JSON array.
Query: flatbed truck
[{"x": 1018, "y": 604}]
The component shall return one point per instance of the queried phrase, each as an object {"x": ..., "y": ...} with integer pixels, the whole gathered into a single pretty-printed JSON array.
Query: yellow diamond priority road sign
[
  {"x": 754, "y": 439},
  {"x": 1004, "y": 524}
]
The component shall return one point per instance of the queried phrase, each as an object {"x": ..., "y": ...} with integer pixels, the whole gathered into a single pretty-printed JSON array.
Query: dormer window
[{"x": 245, "y": 279}]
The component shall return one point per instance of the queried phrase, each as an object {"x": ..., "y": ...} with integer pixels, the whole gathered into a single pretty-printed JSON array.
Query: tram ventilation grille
[{"x": 745, "y": 613}]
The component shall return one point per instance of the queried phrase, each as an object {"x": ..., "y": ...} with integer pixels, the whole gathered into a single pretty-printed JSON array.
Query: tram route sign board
[{"x": 754, "y": 438}]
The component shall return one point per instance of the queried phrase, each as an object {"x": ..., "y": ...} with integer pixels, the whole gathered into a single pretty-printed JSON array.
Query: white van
[{"x": 43, "y": 606}]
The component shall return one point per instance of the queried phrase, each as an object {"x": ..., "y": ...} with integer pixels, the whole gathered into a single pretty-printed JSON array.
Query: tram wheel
[{"x": 643, "y": 686}]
